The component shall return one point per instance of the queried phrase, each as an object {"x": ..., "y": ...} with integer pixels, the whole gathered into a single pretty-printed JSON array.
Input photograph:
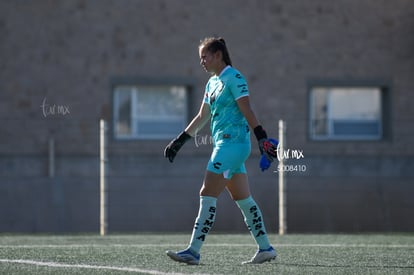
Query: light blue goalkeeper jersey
[{"x": 228, "y": 125}]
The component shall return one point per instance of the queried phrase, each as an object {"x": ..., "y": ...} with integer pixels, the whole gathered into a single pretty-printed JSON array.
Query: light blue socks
[
  {"x": 254, "y": 221},
  {"x": 207, "y": 215},
  {"x": 203, "y": 223}
]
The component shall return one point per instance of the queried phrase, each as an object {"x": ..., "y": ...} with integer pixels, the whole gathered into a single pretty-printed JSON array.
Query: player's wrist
[
  {"x": 183, "y": 137},
  {"x": 260, "y": 133}
]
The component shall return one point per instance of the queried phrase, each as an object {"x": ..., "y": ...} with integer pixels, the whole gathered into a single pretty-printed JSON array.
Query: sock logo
[
  {"x": 257, "y": 222},
  {"x": 208, "y": 224}
]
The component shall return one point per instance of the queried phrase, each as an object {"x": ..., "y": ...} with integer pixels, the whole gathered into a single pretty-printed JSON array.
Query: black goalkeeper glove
[
  {"x": 175, "y": 145},
  {"x": 267, "y": 148}
]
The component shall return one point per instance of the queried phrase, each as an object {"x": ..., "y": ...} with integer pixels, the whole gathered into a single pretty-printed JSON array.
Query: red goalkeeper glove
[
  {"x": 267, "y": 148},
  {"x": 264, "y": 162}
]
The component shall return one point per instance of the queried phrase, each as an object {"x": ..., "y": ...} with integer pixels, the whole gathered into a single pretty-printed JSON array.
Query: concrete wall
[{"x": 67, "y": 54}]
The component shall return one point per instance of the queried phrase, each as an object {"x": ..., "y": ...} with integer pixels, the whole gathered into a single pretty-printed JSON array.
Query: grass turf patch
[{"x": 221, "y": 254}]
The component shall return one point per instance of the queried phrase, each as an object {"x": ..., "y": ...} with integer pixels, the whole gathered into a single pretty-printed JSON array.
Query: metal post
[
  {"x": 282, "y": 180},
  {"x": 103, "y": 179},
  {"x": 51, "y": 158}
]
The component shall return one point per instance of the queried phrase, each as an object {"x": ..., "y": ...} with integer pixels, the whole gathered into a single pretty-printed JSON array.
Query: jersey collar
[{"x": 225, "y": 69}]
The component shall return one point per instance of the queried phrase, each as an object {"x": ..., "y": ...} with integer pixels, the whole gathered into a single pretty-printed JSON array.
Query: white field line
[
  {"x": 86, "y": 266},
  {"x": 338, "y": 245}
]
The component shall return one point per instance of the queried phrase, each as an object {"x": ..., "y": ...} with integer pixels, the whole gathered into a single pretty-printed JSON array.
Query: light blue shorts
[{"x": 228, "y": 159}]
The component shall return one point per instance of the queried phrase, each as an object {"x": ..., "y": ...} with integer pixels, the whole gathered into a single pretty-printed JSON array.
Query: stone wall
[{"x": 59, "y": 58}]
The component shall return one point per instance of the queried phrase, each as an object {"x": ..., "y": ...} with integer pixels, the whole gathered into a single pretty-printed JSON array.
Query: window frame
[
  {"x": 146, "y": 82},
  {"x": 384, "y": 120}
]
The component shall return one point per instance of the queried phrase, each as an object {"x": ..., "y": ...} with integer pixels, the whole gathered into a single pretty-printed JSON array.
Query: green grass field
[{"x": 222, "y": 254}]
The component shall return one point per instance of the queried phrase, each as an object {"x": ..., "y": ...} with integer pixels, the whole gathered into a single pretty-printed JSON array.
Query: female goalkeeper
[{"x": 226, "y": 104}]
